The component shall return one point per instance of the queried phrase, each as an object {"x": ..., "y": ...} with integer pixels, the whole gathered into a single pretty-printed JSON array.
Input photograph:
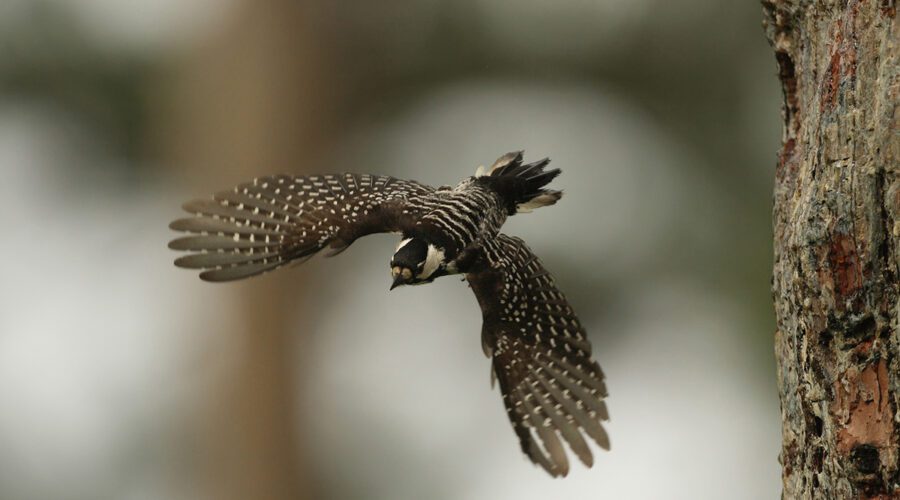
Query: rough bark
[{"x": 836, "y": 225}]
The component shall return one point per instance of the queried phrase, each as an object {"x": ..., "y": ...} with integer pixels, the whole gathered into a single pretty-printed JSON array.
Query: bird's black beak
[{"x": 397, "y": 281}]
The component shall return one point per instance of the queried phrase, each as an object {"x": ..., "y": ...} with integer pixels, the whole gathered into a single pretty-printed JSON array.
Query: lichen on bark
[{"x": 836, "y": 231}]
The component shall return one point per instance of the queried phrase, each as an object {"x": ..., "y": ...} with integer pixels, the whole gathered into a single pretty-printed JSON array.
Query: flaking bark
[{"x": 837, "y": 228}]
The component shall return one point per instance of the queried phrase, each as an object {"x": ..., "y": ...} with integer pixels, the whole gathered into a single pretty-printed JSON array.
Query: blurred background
[{"x": 124, "y": 378}]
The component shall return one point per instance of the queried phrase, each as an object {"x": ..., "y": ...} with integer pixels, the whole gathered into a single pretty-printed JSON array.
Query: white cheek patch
[{"x": 432, "y": 261}]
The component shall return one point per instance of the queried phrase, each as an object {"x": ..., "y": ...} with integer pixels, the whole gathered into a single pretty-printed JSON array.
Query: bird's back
[
  {"x": 458, "y": 217},
  {"x": 477, "y": 207}
]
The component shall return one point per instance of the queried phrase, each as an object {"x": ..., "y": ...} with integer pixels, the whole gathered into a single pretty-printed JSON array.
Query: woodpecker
[{"x": 552, "y": 389}]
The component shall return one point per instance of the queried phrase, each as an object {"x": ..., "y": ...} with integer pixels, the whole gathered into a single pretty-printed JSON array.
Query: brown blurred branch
[
  {"x": 837, "y": 222},
  {"x": 252, "y": 101}
]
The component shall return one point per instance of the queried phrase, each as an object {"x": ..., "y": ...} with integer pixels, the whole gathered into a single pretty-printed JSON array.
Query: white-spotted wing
[
  {"x": 271, "y": 221},
  {"x": 552, "y": 389}
]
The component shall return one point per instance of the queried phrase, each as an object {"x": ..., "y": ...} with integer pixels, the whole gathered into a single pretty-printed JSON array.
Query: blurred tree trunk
[
  {"x": 255, "y": 99},
  {"x": 837, "y": 245}
]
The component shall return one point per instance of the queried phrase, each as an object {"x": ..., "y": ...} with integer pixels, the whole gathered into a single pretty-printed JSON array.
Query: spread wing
[
  {"x": 550, "y": 385},
  {"x": 266, "y": 223}
]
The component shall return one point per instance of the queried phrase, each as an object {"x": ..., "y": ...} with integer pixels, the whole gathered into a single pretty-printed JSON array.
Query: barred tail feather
[{"x": 522, "y": 185}]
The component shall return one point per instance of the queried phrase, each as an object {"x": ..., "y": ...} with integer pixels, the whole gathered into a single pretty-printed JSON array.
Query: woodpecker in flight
[{"x": 552, "y": 389}]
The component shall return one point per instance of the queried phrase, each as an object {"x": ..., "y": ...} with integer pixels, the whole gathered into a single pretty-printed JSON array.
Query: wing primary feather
[
  {"x": 207, "y": 225},
  {"x": 255, "y": 204},
  {"x": 583, "y": 375},
  {"x": 215, "y": 242},
  {"x": 581, "y": 344},
  {"x": 208, "y": 260},
  {"x": 215, "y": 209},
  {"x": 238, "y": 272},
  {"x": 556, "y": 463},
  {"x": 590, "y": 425},
  {"x": 568, "y": 428},
  {"x": 581, "y": 392}
]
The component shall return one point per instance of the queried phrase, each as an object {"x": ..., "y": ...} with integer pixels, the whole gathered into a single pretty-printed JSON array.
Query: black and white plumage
[{"x": 552, "y": 389}]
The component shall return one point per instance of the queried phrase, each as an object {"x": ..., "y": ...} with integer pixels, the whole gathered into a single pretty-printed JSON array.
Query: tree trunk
[
  {"x": 836, "y": 224},
  {"x": 254, "y": 99}
]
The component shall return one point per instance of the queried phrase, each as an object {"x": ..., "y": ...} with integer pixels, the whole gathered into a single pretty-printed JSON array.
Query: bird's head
[{"x": 415, "y": 262}]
